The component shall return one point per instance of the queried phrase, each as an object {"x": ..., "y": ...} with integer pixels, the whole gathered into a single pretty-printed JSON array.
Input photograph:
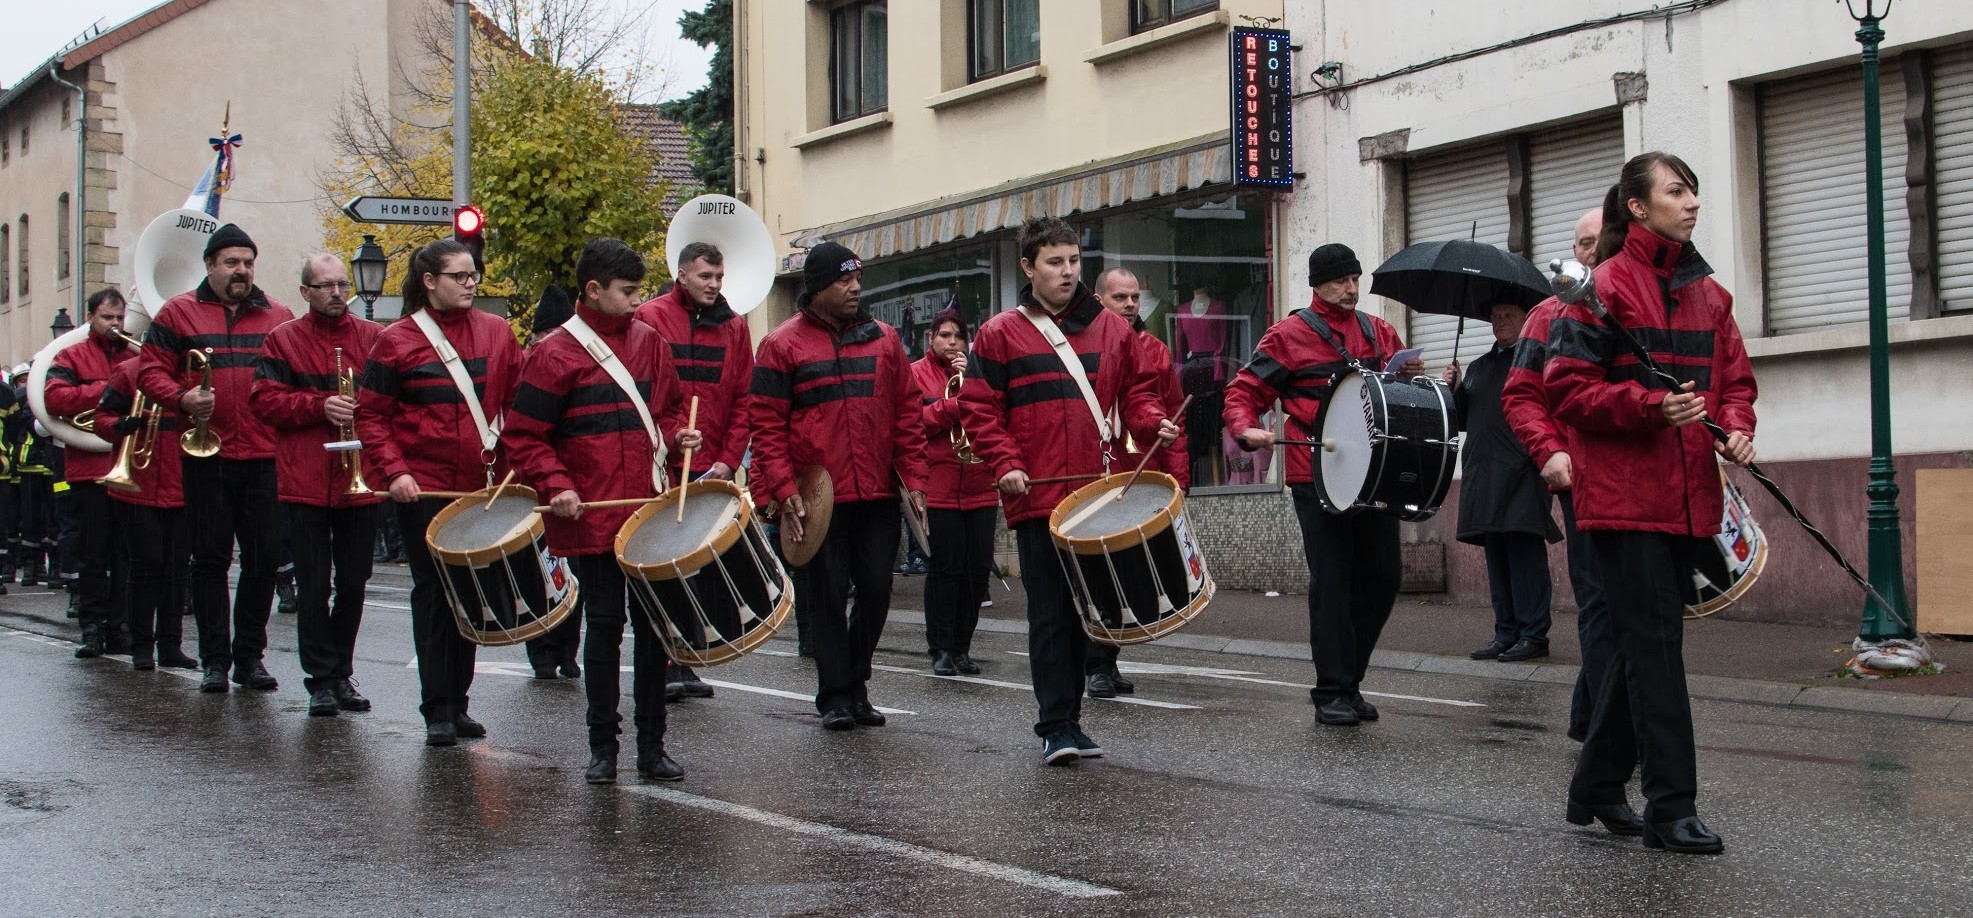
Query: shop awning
[{"x": 1141, "y": 176}]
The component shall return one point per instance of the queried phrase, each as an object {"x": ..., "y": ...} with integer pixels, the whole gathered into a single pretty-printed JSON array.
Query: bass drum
[
  {"x": 1132, "y": 565},
  {"x": 1388, "y": 444},
  {"x": 1720, "y": 579}
]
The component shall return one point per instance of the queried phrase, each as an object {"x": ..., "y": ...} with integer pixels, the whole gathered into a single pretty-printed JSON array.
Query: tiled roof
[{"x": 665, "y": 138}]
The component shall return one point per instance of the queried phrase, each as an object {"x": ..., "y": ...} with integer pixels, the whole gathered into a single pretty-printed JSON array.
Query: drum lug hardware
[{"x": 1395, "y": 438}]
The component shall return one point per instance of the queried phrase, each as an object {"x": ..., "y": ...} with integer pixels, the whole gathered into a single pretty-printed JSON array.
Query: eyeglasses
[
  {"x": 462, "y": 278},
  {"x": 331, "y": 287}
]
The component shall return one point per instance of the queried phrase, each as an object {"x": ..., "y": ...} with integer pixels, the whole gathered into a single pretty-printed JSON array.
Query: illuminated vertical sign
[{"x": 1263, "y": 136}]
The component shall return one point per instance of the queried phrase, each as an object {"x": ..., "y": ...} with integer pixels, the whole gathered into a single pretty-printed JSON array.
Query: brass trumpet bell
[
  {"x": 200, "y": 441},
  {"x": 962, "y": 445}
]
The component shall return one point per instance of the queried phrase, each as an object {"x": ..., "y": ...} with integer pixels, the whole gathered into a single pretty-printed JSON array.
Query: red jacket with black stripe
[
  {"x": 410, "y": 416},
  {"x": 198, "y": 321},
  {"x": 1292, "y": 363},
  {"x": 1174, "y": 460},
  {"x": 294, "y": 378},
  {"x": 1524, "y": 400},
  {"x": 1026, "y": 413},
  {"x": 572, "y": 428},
  {"x": 1632, "y": 471},
  {"x": 714, "y": 353},
  {"x": 160, "y": 482},
  {"x": 952, "y": 485},
  {"x": 844, "y": 400},
  {"x": 76, "y": 380}
]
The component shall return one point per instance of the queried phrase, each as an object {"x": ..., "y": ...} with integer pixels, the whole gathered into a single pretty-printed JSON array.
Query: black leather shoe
[
  {"x": 176, "y": 659},
  {"x": 215, "y": 682},
  {"x": 142, "y": 661},
  {"x": 944, "y": 665},
  {"x": 1100, "y": 686},
  {"x": 1682, "y": 836},
  {"x": 966, "y": 665},
  {"x": 468, "y": 727},
  {"x": 690, "y": 684},
  {"x": 866, "y": 716},
  {"x": 347, "y": 698},
  {"x": 441, "y": 733},
  {"x": 1338, "y": 712},
  {"x": 543, "y": 669},
  {"x": 1619, "y": 818},
  {"x": 656, "y": 766},
  {"x": 254, "y": 675},
  {"x": 1123, "y": 686},
  {"x": 289, "y": 602},
  {"x": 602, "y": 768},
  {"x": 1364, "y": 709},
  {"x": 1492, "y": 651},
  {"x": 838, "y": 719},
  {"x": 322, "y": 703},
  {"x": 570, "y": 670},
  {"x": 1523, "y": 651},
  {"x": 92, "y": 644}
]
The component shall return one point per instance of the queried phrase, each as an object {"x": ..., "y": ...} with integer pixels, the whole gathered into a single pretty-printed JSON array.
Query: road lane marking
[
  {"x": 1018, "y": 686},
  {"x": 1076, "y": 889},
  {"x": 1239, "y": 675},
  {"x": 779, "y": 693}
]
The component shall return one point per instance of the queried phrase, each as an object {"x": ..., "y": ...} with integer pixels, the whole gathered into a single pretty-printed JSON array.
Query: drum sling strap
[
  {"x": 1322, "y": 327},
  {"x": 607, "y": 359},
  {"x": 448, "y": 355},
  {"x": 1072, "y": 364}
]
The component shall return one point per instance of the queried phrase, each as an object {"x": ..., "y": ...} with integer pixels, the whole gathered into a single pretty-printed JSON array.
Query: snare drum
[
  {"x": 1132, "y": 564},
  {"x": 712, "y": 587},
  {"x": 1720, "y": 579},
  {"x": 1394, "y": 445},
  {"x": 500, "y": 579}
]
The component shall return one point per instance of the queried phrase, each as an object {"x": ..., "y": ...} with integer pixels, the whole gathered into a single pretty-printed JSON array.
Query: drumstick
[
  {"x": 1059, "y": 479},
  {"x": 504, "y": 482},
  {"x": 1141, "y": 463},
  {"x": 685, "y": 472},
  {"x": 602, "y": 504},
  {"x": 445, "y": 495}
]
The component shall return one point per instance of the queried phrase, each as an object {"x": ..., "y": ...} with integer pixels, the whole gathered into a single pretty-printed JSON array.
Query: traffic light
[{"x": 469, "y": 230}]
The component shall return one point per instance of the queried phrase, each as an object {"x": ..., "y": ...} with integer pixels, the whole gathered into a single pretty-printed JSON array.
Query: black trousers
[
  {"x": 1592, "y": 621},
  {"x": 445, "y": 657},
  {"x": 153, "y": 547},
  {"x": 66, "y": 553},
  {"x": 561, "y": 644},
  {"x": 37, "y": 509},
  {"x": 858, "y": 551},
  {"x": 330, "y": 546},
  {"x": 1643, "y": 713},
  {"x": 1057, "y": 646},
  {"x": 1354, "y": 572},
  {"x": 605, "y": 607},
  {"x": 10, "y": 522},
  {"x": 99, "y": 601},
  {"x": 1517, "y": 576},
  {"x": 228, "y": 501},
  {"x": 962, "y": 553}
]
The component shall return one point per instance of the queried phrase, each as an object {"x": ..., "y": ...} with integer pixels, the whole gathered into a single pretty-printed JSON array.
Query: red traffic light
[{"x": 467, "y": 220}]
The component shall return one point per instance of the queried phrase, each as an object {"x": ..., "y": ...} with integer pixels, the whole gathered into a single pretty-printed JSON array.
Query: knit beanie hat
[
  {"x": 826, "y": 264},
  {"x": 553, "y": 309},
  {"x": 230, "y": 236},
  {"x": 1332, "y": 261}
]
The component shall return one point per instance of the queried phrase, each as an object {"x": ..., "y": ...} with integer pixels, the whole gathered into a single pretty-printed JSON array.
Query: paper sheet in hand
[{"x": 1403, "y": 357}]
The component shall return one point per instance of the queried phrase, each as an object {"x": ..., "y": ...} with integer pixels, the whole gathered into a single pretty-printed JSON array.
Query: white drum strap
[
  {"x": 448, "y": 355},
  {"x": 607, "y": 359},
  {"x": 1072, "y": 363}
]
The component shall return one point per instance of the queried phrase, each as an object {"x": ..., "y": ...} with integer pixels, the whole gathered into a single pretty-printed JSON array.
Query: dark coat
[{"x": 1500, "y": 489}]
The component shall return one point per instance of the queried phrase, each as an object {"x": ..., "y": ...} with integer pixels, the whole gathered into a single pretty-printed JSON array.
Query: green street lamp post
[{"x": 1886, "y": 544}]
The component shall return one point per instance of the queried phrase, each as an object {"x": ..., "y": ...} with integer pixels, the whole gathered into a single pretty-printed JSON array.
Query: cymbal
[{"x": 819, "y": 494}]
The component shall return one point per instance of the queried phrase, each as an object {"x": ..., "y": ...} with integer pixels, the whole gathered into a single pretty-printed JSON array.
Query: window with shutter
[
  {"x": 1952, "y": 161},
  {"x": 1570, "y": 169},
  {"x": 1459, "y": 194}
]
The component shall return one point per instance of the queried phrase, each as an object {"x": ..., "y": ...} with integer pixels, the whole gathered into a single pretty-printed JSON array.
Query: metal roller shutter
[
  {"x": 1952, "y": 144},
  {"x": 1445, "y": 194},
  {"x": 1813, "y": 208},
  {"x": 1570, "y": 169}
]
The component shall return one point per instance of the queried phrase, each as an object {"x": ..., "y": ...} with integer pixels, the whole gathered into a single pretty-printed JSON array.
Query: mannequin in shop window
[{"x": 1201, "y": 332}]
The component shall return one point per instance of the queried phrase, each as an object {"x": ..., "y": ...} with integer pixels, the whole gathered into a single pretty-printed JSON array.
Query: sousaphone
[{"x": 743, "y": 241}]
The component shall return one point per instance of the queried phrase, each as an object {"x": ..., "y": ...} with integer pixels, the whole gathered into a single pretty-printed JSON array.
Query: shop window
[
  {"x": 908, "y": 292},
  {"x": 62, "y": 237},
  {"x": 858, "y": 58},
  {"x": 1150, "y": 14},
  {"x": 1005, "y": 35}
]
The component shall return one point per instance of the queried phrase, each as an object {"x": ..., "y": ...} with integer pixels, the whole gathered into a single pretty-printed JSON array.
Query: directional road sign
[{"x": 424, "y": 211}]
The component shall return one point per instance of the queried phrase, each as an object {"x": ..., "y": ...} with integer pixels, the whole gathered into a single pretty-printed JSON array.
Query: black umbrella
[{"x": 1458, "y": 277}]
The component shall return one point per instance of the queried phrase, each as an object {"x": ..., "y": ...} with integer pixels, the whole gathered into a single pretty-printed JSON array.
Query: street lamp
[
  {"x": 371, "y": 266},
  {"x": 62, "y": 324},
  {"x": 1886, "y": 548}
]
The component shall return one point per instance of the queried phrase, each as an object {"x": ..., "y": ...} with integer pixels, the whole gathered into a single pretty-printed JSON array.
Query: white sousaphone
[
  {"x": 170, "y": 260},
  {"x": 743, "y": 240}
]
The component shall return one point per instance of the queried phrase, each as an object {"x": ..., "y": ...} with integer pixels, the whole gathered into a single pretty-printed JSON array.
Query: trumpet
[
  {"x": 962, "y": 445},
  {"x": 200, "y": 441},
  {"x": 352, "y": 459},
  {"x": 137, "y": 449}
]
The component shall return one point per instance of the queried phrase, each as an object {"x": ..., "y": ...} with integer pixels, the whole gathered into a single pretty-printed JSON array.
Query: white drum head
[
  {"x": 477, "y": 528},
  {"x": 663, "y": 538},
  {"x": 1341, "y": 472}
]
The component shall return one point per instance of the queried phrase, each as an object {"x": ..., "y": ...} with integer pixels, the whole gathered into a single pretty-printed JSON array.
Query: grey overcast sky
[{"x": 35, "y": 31}]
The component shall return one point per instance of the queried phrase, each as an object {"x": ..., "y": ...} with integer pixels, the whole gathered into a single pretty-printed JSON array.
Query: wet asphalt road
[{"x": 129, "y": 792}]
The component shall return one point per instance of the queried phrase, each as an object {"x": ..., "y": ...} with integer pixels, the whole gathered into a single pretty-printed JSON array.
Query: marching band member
[
  {"x": 1629, "y": 431},
  {"x": 961, "y": 505},
  {"x": 556, "y": 653},
  {"x": 420, "y": 433},
  {"x": 75, "y": 384},
  {"x": 576, "y": 434},
  {"x": 1033, "y": 415},
  {"x": 1119, "y": 292},
  {"x": 832, "y": 386},
  {"x": 230, "y": 496},
  {"x": 152, "y": 520},
  {"x": 297, "y": 389},
  {"x": 714, "y": 353},
  {"x": 1352, "y": 557}
]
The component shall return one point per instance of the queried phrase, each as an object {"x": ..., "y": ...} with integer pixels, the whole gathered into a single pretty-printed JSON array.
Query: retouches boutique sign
[{"x": 1263, "y": 139}]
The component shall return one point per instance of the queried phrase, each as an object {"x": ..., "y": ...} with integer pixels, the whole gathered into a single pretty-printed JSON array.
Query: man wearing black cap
[
  {"x": 833, "y": 387},
  {"x": 228, "y": 497},
  {"x": 1352, "y": 557}
]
